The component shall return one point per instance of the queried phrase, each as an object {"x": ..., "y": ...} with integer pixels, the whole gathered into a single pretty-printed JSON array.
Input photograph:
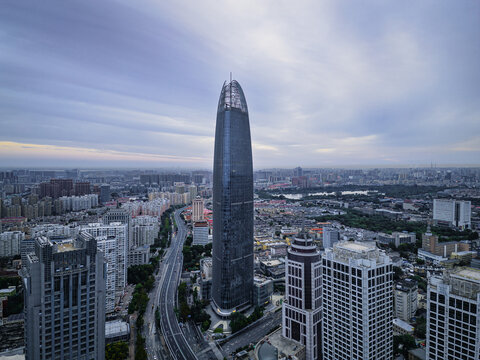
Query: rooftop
[
  {"x": 355, "y": 246},
  {"x": 65, "y": 246},
  {"x": 468, "y": 274}
]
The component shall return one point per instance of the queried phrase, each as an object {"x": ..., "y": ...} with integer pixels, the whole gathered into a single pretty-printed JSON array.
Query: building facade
[
  {"x": 330, "y": 237},
  {"x": 357, "y": 302},
  {"x": 10, "y": 243},
  {"x": 64, "y": 300},
  {"x": 450, "y": 212},
  {"x": 453, "y": 315},
  {"x": 200, "y": 233},
  {"x": 302, "y": 308},
  {"x": 197, "y": 209},
  {"x": 232, "y": 285},
  {"x": 406, "y": 299},
  {"x": 118, "y": 232}
]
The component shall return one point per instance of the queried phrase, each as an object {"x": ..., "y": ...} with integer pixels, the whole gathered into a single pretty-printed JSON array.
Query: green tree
[{"x": 116, "y": 351}]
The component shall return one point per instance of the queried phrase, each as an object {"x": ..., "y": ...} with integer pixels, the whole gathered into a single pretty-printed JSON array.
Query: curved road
[{"x": 170, "y": 276}]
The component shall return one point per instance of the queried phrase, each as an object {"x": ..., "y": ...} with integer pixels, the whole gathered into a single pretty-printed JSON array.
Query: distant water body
[{"x": 300, "y": 196}]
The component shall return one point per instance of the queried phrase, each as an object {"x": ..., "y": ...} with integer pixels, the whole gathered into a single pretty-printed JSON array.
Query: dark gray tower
[{"x": 232, "y": 203}]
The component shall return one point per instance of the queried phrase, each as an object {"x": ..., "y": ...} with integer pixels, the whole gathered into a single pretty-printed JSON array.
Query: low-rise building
[
  {"x": 262, "y": 290},
  {"x": 401, "y": 327},
  {"x": 116, "y": 330}
]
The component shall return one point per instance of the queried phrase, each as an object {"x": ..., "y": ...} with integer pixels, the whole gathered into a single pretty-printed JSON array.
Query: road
[
  {"x": 165, "y": 297},
  {"x": 254, "y": 334}
]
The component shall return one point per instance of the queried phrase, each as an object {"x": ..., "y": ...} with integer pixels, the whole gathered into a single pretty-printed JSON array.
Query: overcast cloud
[{"x": 330, "y": 83}]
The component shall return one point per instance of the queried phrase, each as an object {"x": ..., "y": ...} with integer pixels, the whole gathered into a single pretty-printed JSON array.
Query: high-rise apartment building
[
  {"x": 302, "y": 309},
  {"x": 451, "y": 212},
  {"x": 453, "y": 315},
  {"x": 118, "y": 232},
  {"x": 357, "y": 302},
  {"x": 10, "y": 243},
  {"x": 406, "y": 299},
  {"x": 232, "y": 285},
  {"x": 108, "y": 246},
  {"x": 64, "y": 300},
  {"x": 197, "y": 209},
  {"x": 122, "y": 216}
]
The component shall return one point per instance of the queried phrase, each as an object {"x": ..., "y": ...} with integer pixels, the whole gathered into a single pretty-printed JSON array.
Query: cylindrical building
[{"x": 232, "y": 204}]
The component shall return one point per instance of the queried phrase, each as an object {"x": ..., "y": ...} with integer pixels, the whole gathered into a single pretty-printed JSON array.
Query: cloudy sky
[{"x": 328, "y": 83}]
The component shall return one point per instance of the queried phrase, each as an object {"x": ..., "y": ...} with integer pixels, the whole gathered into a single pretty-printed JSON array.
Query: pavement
[{"x": 254, "y": 333}]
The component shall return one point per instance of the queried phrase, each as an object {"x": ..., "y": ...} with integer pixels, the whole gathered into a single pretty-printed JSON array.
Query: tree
[
  {"x": 116, "y": 351},
  {"x": 407, "y": 342},
  {"x": 397, "y": 273}
]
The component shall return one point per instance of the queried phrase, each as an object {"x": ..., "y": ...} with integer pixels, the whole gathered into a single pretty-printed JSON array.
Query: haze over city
[{"x": 336, "y": 83}]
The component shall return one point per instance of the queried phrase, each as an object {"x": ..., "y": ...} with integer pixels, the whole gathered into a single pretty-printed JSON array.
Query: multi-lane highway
[{"x": 170, "y": 272}]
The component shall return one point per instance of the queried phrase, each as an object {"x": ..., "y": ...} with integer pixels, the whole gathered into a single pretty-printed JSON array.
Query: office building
[
  {"x": 432, "y": 245},
  {"x": 262, "y": 290},
  {"x": 200, "y": 233},
  {"x": 64, "y": 300},
  {"x": 453, "y": 315},
  {"x": 302, "y": 310},
  {"x": 10, "y": 242},
  {"x": 197, "y": 209},
  {"x": 232, "y": 285},
  {"x": 455, "y": 213},
  {"x": 357, "y": 302},
  {"x": 405, "y": 297},
  {"x": 104, "y": 193},
  {"x": 330, "y": 237}
]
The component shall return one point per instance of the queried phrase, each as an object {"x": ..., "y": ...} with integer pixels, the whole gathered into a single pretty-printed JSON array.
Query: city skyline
[{"x": 332, "y": 84}]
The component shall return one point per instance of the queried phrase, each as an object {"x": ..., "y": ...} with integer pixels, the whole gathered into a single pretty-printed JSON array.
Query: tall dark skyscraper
[{"x": 232, "y": 203}]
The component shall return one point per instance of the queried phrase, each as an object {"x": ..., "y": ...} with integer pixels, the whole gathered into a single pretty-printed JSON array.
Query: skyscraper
[
  {"x": 64, "y": 300},
  {"x": 453, "y": 315},
  {"x": 357, "y": 302},
  {"x": 302, "y": 312},
  {"x": 232, "y": 283}
]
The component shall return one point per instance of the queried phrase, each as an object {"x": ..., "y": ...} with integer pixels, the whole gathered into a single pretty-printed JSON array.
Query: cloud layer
[{"x": 328, "y": 83}]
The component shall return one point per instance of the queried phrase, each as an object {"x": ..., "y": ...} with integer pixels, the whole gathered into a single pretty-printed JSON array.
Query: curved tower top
[{"x": 232, "y": 96}]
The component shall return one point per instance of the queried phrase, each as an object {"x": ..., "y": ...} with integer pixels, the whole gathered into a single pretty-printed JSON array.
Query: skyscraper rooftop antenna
[{"x": 230, "y": 88}]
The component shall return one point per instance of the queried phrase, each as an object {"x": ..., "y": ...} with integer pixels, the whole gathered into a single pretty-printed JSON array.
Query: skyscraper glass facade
[{"x": 232, "y": 203}]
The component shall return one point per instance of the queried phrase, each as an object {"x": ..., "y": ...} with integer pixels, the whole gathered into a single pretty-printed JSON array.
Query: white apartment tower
[
  {"x": 453, "y": 315},
  {"x": 197, "y": 212},
  {"x": 108, "y": 246},
  {"x": 406, "y": 299},
  {"x": 357, "y": 302},
  {"x": 301, "y": 311},
  {"x": 451, "y": 212},
  {"x": 119, "y": 233}
]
